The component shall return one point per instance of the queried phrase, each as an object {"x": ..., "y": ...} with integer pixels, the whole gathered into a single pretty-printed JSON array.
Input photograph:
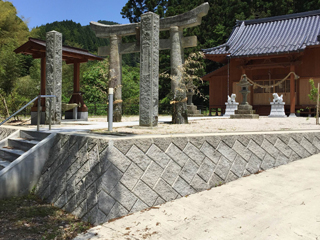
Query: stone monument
[
  {"x": 277, "y": 106},
  {"x": 231, "y": 106},
  {"x": 54, "y": 75},
  {"x": 244, "y": 109},
  {"x": 149, "y": 70},
  {"x": 176, "y": 44}
]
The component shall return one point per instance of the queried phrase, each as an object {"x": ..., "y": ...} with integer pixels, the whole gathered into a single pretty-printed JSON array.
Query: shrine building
[
  {"x": 71, "y": 55},
  {"x": 282, "y": 52}
]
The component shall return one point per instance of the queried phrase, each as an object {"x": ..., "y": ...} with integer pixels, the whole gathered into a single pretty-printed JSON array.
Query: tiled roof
[
  {"x": 273, "y": 35},
  {"x": 35, "y": 44}
]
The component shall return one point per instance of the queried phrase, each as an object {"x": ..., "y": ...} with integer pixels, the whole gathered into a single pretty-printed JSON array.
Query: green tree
[
  {"x": 130, "y": 89},
  {"x": 95, "y": 82},
  {"x": 313, "y": 91},
  {"x": 13, "y": 32},
  {"x": 135, "y": 8}
]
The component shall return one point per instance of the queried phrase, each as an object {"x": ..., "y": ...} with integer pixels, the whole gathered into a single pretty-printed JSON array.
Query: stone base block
[
  {"x": 244, "y": 116},
  {"x": 80, "y": 116},
  {"x": 192, "y": 110},
  {"x": 195, "y": 115},
  {"x": 292, "y": 115},
  {"x": 245, "y": 107},
  {"x": 245, "y": 111},
  {"x": 34, "y": 118}
]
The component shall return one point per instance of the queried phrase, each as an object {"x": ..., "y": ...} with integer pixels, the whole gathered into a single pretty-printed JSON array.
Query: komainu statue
[
  {"x": 276, "y": 98},
  {"x": 232, "y": 99}
]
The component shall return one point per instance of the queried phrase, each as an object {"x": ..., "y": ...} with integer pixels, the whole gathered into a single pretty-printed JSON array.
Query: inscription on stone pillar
[
  {"x": 54, "y": 75},
  {"x": 149, "y": 69}
]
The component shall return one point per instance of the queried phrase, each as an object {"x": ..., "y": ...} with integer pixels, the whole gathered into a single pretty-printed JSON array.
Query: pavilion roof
[
  {"x": 273, "y": 35},
  {"x": 37, "y": 48}
]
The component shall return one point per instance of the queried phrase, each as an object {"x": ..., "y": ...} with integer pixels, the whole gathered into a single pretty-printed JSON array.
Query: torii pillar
[{"x": 178, "y": 89}]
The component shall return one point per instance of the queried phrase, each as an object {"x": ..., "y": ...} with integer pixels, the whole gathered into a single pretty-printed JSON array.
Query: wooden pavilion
[
  {"x": 71, "y": 55},
  {"x": 267, "y": 50}
]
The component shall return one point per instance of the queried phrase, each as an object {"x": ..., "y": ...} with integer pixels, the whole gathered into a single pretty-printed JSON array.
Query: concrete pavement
[
  {"x": 280, "y": 203},
  {"x": 79, "y": 125}
]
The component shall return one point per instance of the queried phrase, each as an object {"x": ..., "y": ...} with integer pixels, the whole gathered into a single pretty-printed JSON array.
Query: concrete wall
[
  {"x": 101, "y": 178},
  {"x": 22, "y": 174}
]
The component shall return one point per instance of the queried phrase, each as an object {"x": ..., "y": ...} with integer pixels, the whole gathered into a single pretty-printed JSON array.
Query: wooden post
[
  {"x": 76, "y": 77},
  {"x": 317, "y": 115},
  {"x": 292, "y": 93}
]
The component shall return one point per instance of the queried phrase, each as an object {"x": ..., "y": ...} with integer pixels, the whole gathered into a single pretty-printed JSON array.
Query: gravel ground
[{"x": 222, "y": 125}]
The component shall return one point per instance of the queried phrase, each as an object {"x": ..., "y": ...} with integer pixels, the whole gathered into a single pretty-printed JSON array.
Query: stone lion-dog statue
[
  {"x": 276, "y": 98},
  {"x": 232, "y": 99}
]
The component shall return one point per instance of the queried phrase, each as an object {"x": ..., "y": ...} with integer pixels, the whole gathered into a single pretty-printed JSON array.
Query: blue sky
[{"x": 39, "y": 12}]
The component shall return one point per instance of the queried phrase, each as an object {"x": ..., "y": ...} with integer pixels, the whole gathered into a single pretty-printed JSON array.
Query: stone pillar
[
  {"x": 179, "y": 111},
  {"x": 149, "y": 70},
  {"x": 115, "y": 77},
  {"x": 54, "y": 75}
]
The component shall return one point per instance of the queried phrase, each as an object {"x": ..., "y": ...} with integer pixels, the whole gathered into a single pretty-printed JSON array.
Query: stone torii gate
[{"x": 148, "y": 44}]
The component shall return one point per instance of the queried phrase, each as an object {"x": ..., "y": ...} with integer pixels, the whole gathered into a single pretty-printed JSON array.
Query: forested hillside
[{"x": 74, "y": 34}]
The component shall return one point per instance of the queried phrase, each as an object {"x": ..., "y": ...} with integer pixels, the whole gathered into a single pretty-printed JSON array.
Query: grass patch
[{"x": 29, "y": 217}]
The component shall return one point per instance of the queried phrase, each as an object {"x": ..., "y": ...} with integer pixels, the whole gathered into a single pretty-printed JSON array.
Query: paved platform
[
  {"x": 280, "y": 203},
  {"x": 79, "y": 125}
]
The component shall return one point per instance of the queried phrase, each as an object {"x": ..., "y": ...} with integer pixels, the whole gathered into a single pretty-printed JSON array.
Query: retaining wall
[{"x": 101, "y": 178}]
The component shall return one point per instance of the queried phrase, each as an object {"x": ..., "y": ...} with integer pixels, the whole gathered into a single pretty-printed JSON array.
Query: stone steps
[
  {"x": 21, "y": 143},
  {"x": 15, "y": 147},
  {"x": 22, "y": 156}
]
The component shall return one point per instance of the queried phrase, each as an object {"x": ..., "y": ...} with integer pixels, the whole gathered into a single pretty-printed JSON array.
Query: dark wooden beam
[
  {"x": 270, "y": 65},
  {"x": 72, "y": 61},
  {"x": 38, "y": 55},
  {"x": 280, "y": 55}
]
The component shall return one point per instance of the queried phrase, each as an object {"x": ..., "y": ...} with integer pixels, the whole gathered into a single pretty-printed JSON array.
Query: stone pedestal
[
  {"x": 54, "y": 75},
  {"x": 277, "y": 110},
  {"x": 193, "y": 111},
  {"x": 149, "y": 70},
  {"x": 245, "y": 111},
  {"x": 230, "y": 109},
  {"x": 34, "y": 118},
  {"x": 83, "y": 116}
]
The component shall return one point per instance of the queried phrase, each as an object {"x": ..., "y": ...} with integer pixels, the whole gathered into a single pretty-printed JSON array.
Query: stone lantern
[
  {"x": 244, "y": 109},
  {"x": 190, "y": 93},
  {"x": 244, "y": 84}
]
